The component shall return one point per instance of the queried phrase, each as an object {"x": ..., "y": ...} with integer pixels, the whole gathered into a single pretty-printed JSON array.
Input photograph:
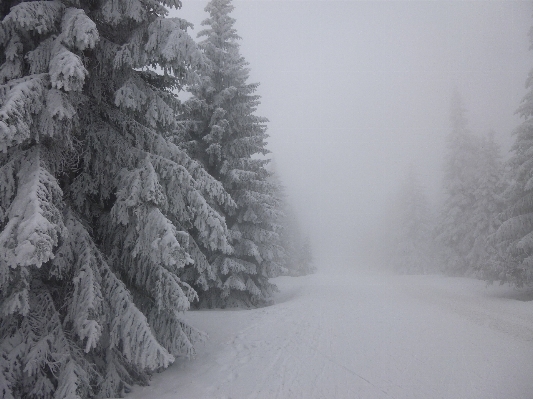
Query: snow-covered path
[{"x": 362, "y": 336}]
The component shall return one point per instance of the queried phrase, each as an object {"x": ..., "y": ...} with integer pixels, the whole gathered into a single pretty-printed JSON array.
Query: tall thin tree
[
  {"x": 229, "y": 139},
  {"x": 514, "y": 237},
  {"x": 454, "y": 230},
  {"x": 489, "y": 187},
  {"x": 412, "y": 252}
]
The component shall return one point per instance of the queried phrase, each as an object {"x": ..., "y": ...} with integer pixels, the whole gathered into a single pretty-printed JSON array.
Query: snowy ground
[{"x": 362, "y": 336}]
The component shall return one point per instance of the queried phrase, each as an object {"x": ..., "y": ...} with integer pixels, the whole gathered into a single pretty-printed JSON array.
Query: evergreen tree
[
  {"x": 290, "y": 238},
  {"x": 298, "y": 259},
  {"x": 455, "y": 231},
  {"x": 514, "y": 238},
  {"x": 488, "y": 191},
  {"x": 227, "y": 138},
  {"x": 305, "y": 260},
  {"x": 96, "y": 204},
  {"x": 413, "y": 247}
]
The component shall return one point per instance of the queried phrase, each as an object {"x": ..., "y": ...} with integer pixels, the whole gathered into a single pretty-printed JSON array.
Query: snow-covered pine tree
[
  {"x": 305, "y": 259},
  {"x": 455, "y": 230},
  {"x": 412, "y": 247},
  {"x": 514, "y": 238},
  {"x": 297, "y": 247},
  {"x": 298, "y": 257},
  {"x": 489, "y": 186},
  {"x": 290, "y": 238},
  {"x": 95, "y": 202},
  {"x": 228, "y": 139}
]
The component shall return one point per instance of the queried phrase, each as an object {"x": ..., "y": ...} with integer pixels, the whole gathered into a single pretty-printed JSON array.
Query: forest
[
  {"x": 137, "y": 184},
  {"x": 481, "y": 227},
  {"x": 122, "y": 206}
]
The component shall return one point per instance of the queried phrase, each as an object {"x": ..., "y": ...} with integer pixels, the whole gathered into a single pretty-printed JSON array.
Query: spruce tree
[
  {"x": 96, "y": 203},
  {"x": 488, "y": 189},
  {"x": 455, "y": 228},
  {"x": 297, "y": 247},
  {"x": 229, "y": 140},
  {"x": 413, "y": 247},
  {"x": 305, "y": 258},
  {"x": 290, "y": 238},
  {"x": 297, "y": 257},
  {"x": 514, "y": 238}
]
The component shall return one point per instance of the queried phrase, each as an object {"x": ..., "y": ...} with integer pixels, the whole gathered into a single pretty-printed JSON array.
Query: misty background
[{"x": 357, "y": 91}]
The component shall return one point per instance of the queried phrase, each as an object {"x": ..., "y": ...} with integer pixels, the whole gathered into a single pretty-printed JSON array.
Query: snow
[{"x": 349, "y": 335}]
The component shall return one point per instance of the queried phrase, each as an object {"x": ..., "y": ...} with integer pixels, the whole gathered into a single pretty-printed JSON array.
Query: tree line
[
  {"x": 122, "y": 206},
  {"x": 484, "y": 225}
]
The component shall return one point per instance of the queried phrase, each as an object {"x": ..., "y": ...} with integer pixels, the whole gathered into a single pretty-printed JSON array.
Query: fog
[{"x": 357, "y": 91}]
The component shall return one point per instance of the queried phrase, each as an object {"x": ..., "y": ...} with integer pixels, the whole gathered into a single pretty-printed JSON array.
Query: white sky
[{"x": 355, "y": 91}]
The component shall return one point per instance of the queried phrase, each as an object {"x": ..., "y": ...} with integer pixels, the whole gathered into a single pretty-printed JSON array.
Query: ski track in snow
[{"x": 361, "y": 336}]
